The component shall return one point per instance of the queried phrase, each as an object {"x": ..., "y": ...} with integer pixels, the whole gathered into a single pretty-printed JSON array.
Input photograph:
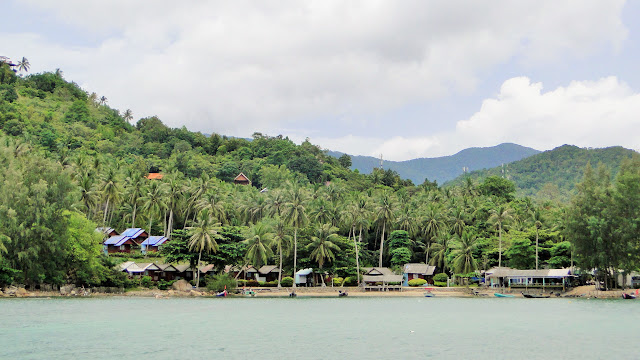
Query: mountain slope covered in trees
[{"x": 445, "y": 168}]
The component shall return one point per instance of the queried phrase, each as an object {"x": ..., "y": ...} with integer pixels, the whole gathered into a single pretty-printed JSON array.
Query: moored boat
[
  {"x": 535, "y": 296},
  {"x": 503, "y": 295},
  {"x": 628, "y": 296}
]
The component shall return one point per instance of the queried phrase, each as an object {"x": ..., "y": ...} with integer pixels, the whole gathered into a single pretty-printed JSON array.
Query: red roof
[{"x": 154, "y": 176}]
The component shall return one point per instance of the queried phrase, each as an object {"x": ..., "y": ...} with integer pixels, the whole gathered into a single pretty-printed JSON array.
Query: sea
[{"x": 319, "y": 328}]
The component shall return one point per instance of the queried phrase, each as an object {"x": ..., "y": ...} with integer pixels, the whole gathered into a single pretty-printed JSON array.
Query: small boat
[
  {"x": 429, "y": 294},
  {"x": 534, "y": 296},
  {"x": 293, "y": 294},
  {"x": 628, "y": 296},
  {"x": 224, "y": 293},
  {"x": 249, "y": 293},
  {"x": 503, "y": 295},
  {"x": 341, "y": 294}
]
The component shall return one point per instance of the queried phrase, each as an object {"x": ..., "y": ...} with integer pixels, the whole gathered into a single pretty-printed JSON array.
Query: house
[
  {"x": 545, "y": 278},
  {"x": 118, "y": 244},
  {"x": 242, "y": 179},
  {"x": 142, "y": 269},
  {"x": 268, "y": 273},
  {"x": 184, "y": 272},
  {"x": 136, "y": 234},
  {"x": 418, "y": 271},
  {"x": 107, "y": 231},
  {"x": 304, "y": 277},
  {"x": 381, "y": 279},
  {"x": 154, "y": 176},
  {"x": 152, "y": 243},
  {"x": 167, "y": 272}
]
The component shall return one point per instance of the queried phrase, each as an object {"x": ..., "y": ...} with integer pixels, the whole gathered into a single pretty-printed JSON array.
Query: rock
[
  {"x": 22, "y": 292},
  {"x": 66, "y": 290},
  {"x": 171, "y": 293},
  {"x": 195, "y": 293},
  {"x": 11, "y": 290},
  {"x": 73, "y": 293},
  {"x": 181, "y": 285}
]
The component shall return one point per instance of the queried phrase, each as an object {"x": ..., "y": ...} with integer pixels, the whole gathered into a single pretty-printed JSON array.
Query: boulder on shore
[
  {"x": 181, "y": 285},
  {"x": 22, "y": 292}
]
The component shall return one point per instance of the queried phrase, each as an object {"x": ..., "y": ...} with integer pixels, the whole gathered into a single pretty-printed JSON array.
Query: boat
[
  {"x": 535, "y": 296},
  {"x": 223, "y": 293},
  {"x": 503, "y": 295},
  {"x": 249, "y": 293},
  {"x": 429, "y": 294},
  {"x": 341, "y": 294},
  {"x": 628, "y": 296}
]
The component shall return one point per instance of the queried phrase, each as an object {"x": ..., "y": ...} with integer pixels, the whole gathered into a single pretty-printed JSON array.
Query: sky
[{"x": 401, "y": 79}]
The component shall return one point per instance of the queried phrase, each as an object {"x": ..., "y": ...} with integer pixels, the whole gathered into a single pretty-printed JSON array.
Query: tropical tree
[
  {"x": 358, "y": 213},
  {"x": 103, "y": 100},
  {"x": 432, "y": 222},
  {"x": 173, "y": 197},
  {"x": 135, "y": 191},
  {"x": 128, "y": 115},
  {"x": 110, "y": 191},
  {"x": 295, "y": 215},
  {"x": 384, "y": 215},
  {"x": 24, "y": 65},
  {"x": 323, "y": 246},
  {"x": 499, "y": 217},
  {"x": 281, "y": 241},
  {"x": 440, "y": 250},
  {"x": 536, "y": 217},
  {"x": 203, "y": 237},
  {"x": 154, "y": 201},
  {"x": 463, "y": 249},
  {"x": 258, "y": 239}
]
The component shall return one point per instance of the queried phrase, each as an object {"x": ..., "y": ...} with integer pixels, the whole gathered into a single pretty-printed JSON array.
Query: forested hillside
[
  {"x": 445, "y": 168},
  {"x": 69, "y": 163},
  {"x": 553, "y": 174}
]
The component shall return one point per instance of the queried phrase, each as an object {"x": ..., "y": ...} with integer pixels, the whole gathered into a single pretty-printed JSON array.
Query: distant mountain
[
  {"x": 443, "y": 169},
  {"x": 553, "y": 174}
]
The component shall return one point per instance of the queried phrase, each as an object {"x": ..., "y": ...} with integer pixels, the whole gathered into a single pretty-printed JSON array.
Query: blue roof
[
  {"x": 117, "y": 240},
  {"x": 304, "y": 271},
  {"x": 154, "y": 241},
  {"x": 133, "y": 232}
]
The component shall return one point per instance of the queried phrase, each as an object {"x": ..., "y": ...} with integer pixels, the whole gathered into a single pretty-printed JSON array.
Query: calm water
[{"x": 346, "y": 328}]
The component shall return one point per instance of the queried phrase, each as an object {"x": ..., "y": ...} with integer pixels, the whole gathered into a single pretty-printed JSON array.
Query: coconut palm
[
  {"x": 103, "y": 100},
  {"x": 154, "y": 201},
  {"x": 214, "y": 201},
  {"x": 358, "y": 214},
  {"x": 203, "y": 236},
  {"x": 463, "y": 248},
  {"x": 174, "y": 195},
  {"x": 433, "y": 221},
  {"x": 440, "y": 250},
  {"x": 110, "y": 191},
  {"x": 282, "y": 242},
  {"x": 295, "y": 215},
  {"x": 134, "y": 189},
  {"x": 320, "y": 211},
  {"x": 88, "y": 195},
  {"x": 500, "y": 217},
  {"x": 384, "y": 215},
  {"x": 323, "y": 246},
  {"x": 23, "y": 65},
  {"x": 128, "y": 115},
  {"x": 457, "y": 220},
  {"x": 258, "y": 239},
  {"x": 536, "y": 217}
]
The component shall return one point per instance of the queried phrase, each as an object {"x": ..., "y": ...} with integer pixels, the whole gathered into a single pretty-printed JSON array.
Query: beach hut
[
  {"x": 167, "y": 272},
  {"x": 118, "y": 244},
  {"x": 183, "y": 272},
  {"x": 242, "y": 179},
  {"x": 136, "y": 234},
  {"x": 381, "y": 279},
  {"x": 544, "y": 279},
  {"x": 268, "y": 273},
  {"x": 418, "y": 271},
  {"x": 152, "y": 243},
  {"x": 304, "y": 277}
]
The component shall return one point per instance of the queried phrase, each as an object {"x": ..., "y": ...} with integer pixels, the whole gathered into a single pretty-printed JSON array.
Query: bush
[
  {"x": 146, "y": 281},
  {"x": 164, "y": 285},
  {"x": 417, "y": 282},
  {"x": 241, "y": 282},
  {"x": 337, "y": 281},
  {"x": 441, "y": 277},
  {"x": 350, "y": 281},
  {"x": 221, "y": 282},
  {"x": 273, "y": 283},
  {"x": 253, "y": 283},
  {"x": 440, "y": 283},
  {"x": 287, "y": 281}
]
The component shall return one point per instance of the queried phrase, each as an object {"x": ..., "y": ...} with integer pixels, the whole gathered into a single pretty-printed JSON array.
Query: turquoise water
[{"x": 332, "y": 328}]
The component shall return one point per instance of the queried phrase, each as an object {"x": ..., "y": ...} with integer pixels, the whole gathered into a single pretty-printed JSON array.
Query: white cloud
[
  {"x": 585, "y": 113},
  {"x": 238, "y": 67}
]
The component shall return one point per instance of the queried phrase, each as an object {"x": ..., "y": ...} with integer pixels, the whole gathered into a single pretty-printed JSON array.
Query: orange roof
[
  {"x": 154, "y": 176},
  {"x": 241, "y": 177}
]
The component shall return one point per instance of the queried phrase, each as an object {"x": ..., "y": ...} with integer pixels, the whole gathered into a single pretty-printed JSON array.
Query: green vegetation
[
  {"x": 417, "y": 282},
  {"x": 69, "y": 163}
]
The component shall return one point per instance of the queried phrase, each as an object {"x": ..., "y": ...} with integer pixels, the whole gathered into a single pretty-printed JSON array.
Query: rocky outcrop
[{"x": 182, "y": 285}]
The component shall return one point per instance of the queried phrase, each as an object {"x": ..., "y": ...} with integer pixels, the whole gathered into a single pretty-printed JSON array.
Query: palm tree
[
  {"x": 296, "y": 216},
  {"x": 213, "y": 201},
  {"x": 258, "y": 240},
  {"x": 110, "y": 191},
  {"x": 23, "y": 65},
  {"x": 463, "y": 248},
  {"x": 59, "y": 73},
  {"x": 384, "y": 215},
  {"x": 536, "y": 217},
  {"x": 358, "y": 214},
  {"x": 275, "y": 202},
  {"x": 323, "y": 246},
  {"x": 457, "y": 220},
  {"x": 203, "y": 237},
  {"x": 320, "y": 211},
  {"x": 103, "y": 100},
  {"x": 174, "y": 192},
  {"x": 281, "y": 241},
  {"x": 135, "y": 189},
  {"x": 500, "y": 217},
  {"x": 87, "y": 191},
  {"x": 440, "y": 250},
  {"x": 433, "y": 221},
  {"x": 128, "y": 115},
  {"x": 153, "y": 203}
]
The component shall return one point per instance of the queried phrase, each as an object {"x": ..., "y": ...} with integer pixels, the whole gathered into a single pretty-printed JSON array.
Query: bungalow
[
  {"x": 418, "y": 271},
  {"x": 184, "y": 272},
  {"x": 546, "y": 278},
  {"x": 153, "y": 243},
  {"x": 118, "y": 244},
  {"x": 136, "y": 234},
  {"x": 268, "y": 273},
  {"x": 167, "y": 272},
  {"x": 304, "y": 277},
  {"x": 107, "y": 231},
  {"x": 381, "y": 279},
  {"x": 143, "y": 269},
  {"x": 242, "y": 179}
]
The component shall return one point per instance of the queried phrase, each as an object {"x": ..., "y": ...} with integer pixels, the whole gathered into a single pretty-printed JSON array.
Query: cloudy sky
[{"x": 404, "y": 79}]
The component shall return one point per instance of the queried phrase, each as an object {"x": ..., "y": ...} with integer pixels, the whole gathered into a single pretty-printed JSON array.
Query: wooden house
[
  {"x": 152, "y": 243},
  {"x": 242, "y": 179},
  {"x": 304, "y": 277},
  {"x": 381, "y": 279},
  {"x": 268, "y": 273},
  {"x": 119, "y": 244},
  {"x": 184, "y": 272},
  {"x": 167, "y": 272},
  {"x": 418, "y": 271},
  {"x": 544, "y": 279},
  {"x": 136, "y": 234}
]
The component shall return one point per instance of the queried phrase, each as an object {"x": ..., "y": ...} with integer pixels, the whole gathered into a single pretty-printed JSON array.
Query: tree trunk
[
  {"x": 198, "y": 270},
  {"x": 500, "y": 245},
  {"x": 357, "y": 260},
  {"x": 106, "y": 207},
  {"x": 295, "y": 254},
  {"x": 167, "y": 234},
  {"x": 426, "y": 258},
  {"x": 133, "y": 219},
  {"x": 384, "y": 224},
  {"x": 536, "y": 248},
  {"x": 280, "y": 268}
]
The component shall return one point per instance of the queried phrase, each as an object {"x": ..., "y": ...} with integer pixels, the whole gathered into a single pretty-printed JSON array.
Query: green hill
[
  {"x": 553, "y": 174},
  {"x": 445, "y": 168}
]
